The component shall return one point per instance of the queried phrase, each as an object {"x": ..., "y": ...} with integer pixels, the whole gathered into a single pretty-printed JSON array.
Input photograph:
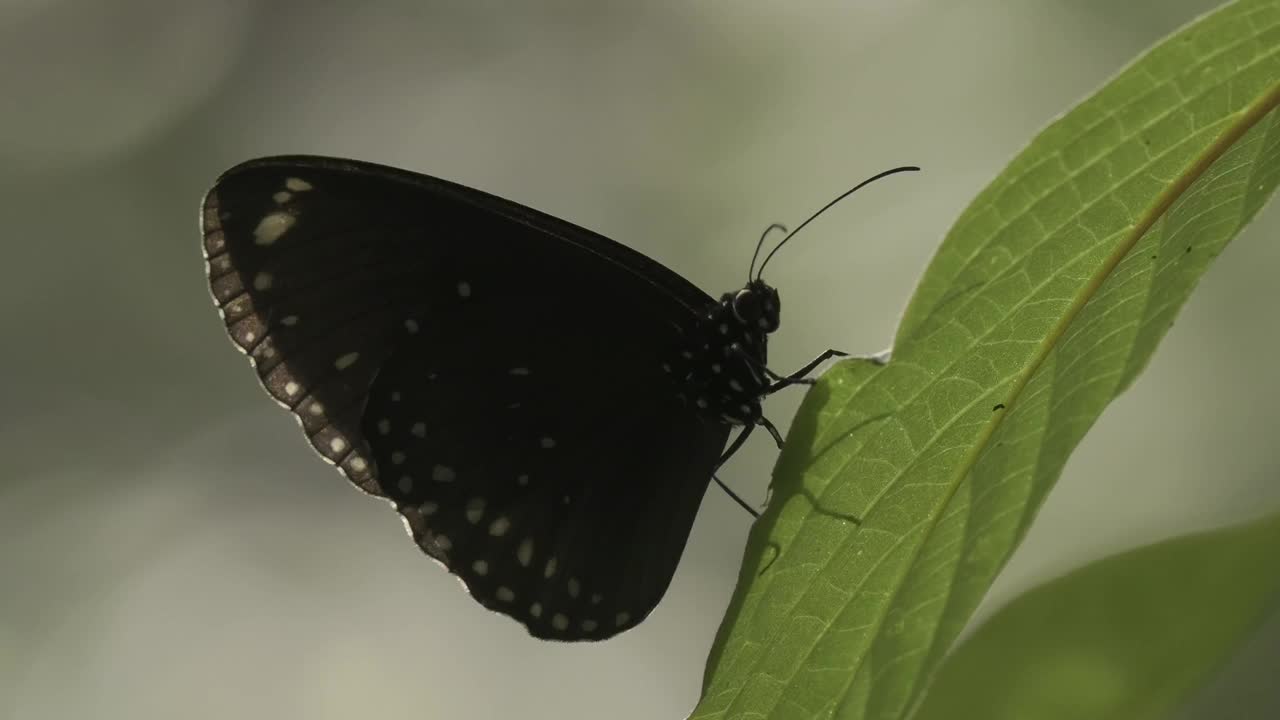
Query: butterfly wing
[
  {"x": 539, "y": 462},
  {"x": 478, "y": 363}
]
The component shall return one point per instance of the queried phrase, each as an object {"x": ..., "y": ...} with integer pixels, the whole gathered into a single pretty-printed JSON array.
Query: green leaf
[
  {"x": 1046, "y": 299},
  {"x": 1128, "y": 637}
]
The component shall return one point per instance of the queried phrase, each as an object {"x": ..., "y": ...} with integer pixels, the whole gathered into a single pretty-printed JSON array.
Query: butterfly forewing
[
  {"x": 493, "y": 371},
  {"x": 314, "y": 277}
]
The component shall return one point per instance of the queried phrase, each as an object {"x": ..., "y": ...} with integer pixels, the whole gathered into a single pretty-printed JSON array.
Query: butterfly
[{"x": 544, "y": 407}]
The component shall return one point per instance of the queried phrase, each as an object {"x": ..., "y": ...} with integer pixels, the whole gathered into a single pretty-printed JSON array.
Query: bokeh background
[{"x": 169, "y": 547}]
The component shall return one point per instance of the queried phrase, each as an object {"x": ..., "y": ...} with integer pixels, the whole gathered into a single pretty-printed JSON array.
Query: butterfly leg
[
  {"x": 733, "y": 448},
  {"x": 798, "y": 377},
  {"x": 762, "y": 372},
  {"x": 777, "y": 436},
  {"x": 754, "y": 513}
]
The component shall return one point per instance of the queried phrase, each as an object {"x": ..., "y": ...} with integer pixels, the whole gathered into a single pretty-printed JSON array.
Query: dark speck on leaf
[
  {"x": 998, "y": 407},
  {"x": 1188, "y": 248}
]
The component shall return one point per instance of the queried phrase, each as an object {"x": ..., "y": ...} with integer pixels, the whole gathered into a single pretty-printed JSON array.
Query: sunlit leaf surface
[{"x": 1045, "y": 300}]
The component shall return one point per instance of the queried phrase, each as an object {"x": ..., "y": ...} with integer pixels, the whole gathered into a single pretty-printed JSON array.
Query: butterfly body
[
  {"x": 543, "y": 407},
  {"x": 720, "y": 364}
]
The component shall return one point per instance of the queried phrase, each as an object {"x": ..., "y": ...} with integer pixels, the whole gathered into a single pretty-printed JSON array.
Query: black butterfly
[{"x": 543, "y": 406}]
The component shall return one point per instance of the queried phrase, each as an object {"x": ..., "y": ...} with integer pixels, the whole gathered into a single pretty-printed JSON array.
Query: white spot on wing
[
  {"x": 588, "y": 625},
  {"x": 519, "y": 371},
  {"x": 499, "y": 526},
  {"x": 536, "y": 610},
  {"x": 411, "y": 325},
  {"x": 297, "y": 184},
  {"x": 292, "y": 388},
  {"x": 282, "y": 197},
  {"x": 475, "y": 510},
  {"x": 575, "y": 587},
  {"x": 464, "y": 289},
  {"x": 428, "y": 508},
  {"x": 358, "y": 464},
  {"x": 271, "y": 227},
  {"x": 289, "y": 320},
  {"x": 621, "y": 618},
  {"x": 560, "y": 622},
  {"x": 443, "y": 473},
  {"x": 547, "y": 442},
  {"x": 397, "y": 457},
  {"x": 505, "y": 594},
  {"x": 405, "y": 484},
  {"x": 384, "y": 427},
  {"x": 419, "y": 429},
  {"x": 337, "y": 444},
  {"x": 481, "y": 567},
  {"x": 262, "y": 281},
  {"x": 550, "y": 569},
  {"x": 345, "y": 361},
  {"x": 524, "y": 553},
  {"x": 316, "y": 408}
]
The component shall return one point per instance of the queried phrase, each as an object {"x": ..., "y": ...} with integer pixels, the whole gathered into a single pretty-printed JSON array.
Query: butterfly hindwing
[{"x": 523, "y": 443}]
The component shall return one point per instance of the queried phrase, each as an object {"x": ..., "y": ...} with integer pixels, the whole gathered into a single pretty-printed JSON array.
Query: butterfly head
[{"x": 756, "y": 306}]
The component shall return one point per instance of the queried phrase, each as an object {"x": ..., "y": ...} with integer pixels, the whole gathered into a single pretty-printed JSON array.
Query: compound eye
[{"x": 747, "y": 306}]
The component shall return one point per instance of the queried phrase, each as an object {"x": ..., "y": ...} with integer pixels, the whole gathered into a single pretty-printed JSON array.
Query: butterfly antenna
[
  {"x": 845, "y": 194},
  {"x": 775, "y": 226}
]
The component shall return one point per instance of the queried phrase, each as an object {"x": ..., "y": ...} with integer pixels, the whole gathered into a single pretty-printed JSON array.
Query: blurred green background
[{"x": 169, "y": 547}]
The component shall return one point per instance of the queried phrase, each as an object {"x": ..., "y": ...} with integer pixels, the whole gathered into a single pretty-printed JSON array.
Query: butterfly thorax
[{"x": 718, "y": 364}]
